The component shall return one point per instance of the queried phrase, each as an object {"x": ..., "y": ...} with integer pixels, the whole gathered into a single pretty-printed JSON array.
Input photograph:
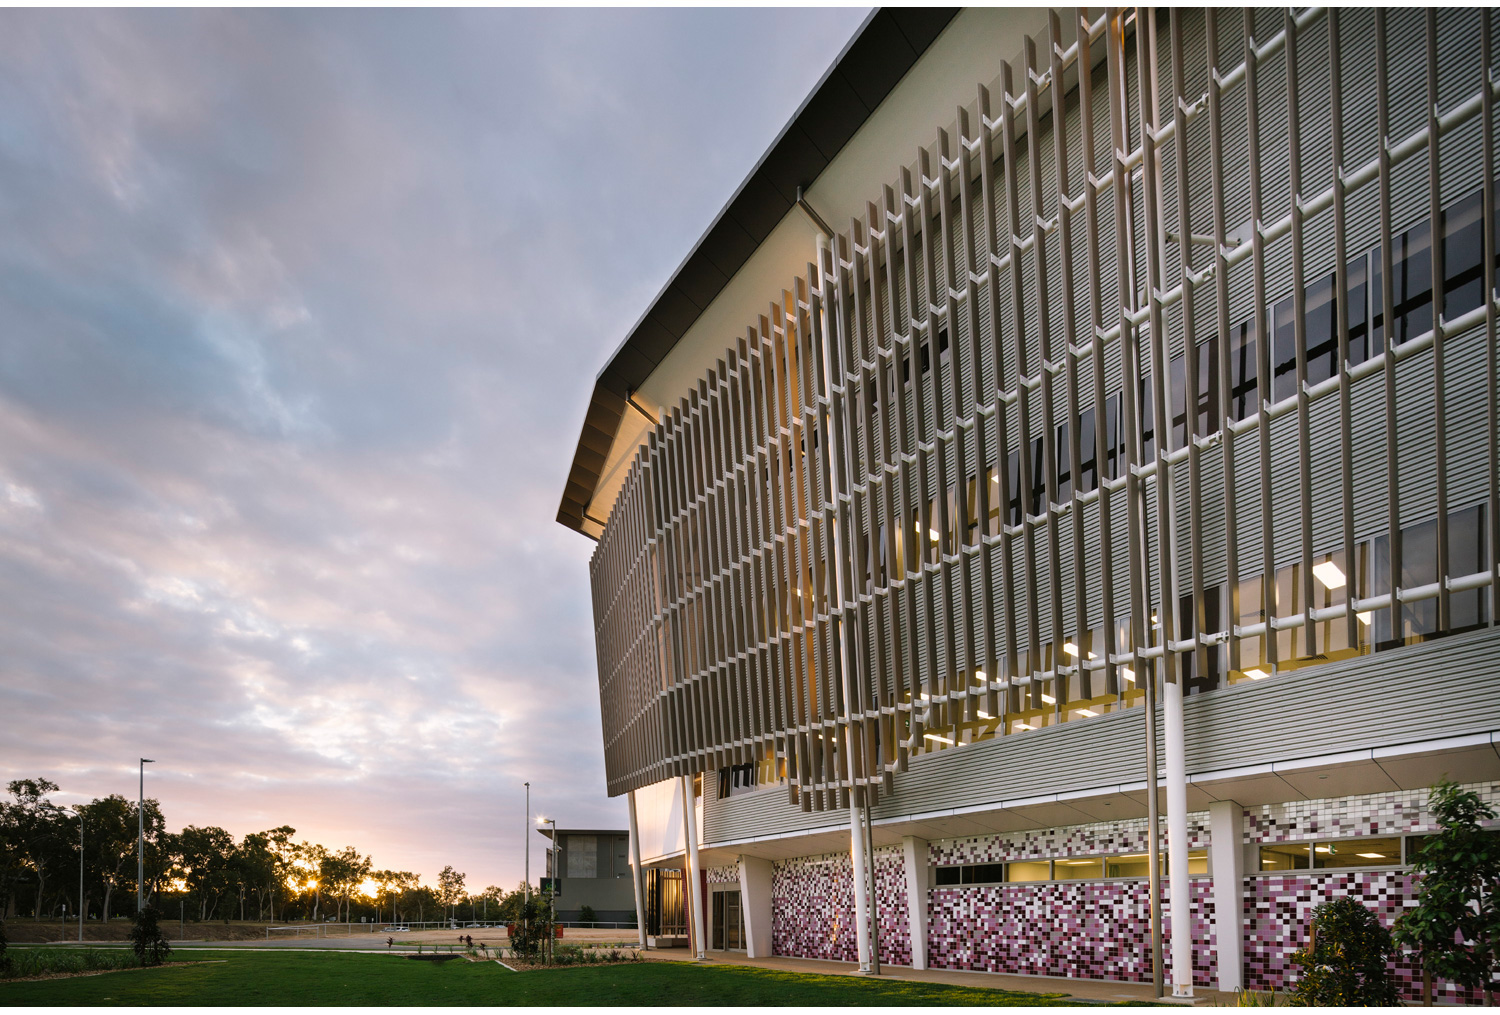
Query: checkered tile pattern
[
  {"x": 1101, "y": 837},
  {"x": 812, "y": 907},
  {"x": 726, "y": 875},
  {"x": 1279, "y": 906},
  {"x": 1396, "y": 813},
  {"x": 1090, "y": 930}
]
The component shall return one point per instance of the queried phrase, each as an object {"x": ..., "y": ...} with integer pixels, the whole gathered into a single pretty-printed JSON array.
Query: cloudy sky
[{"x": 299, "y": 315}]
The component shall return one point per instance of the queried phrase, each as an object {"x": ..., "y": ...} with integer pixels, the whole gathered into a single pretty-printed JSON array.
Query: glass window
[
  {"x": 1463, "y": 256},
  {"x": 950, "y": 531},
  {"x": 1088, "y": 452},
  {"x": 1286, "y": 856},
  {"x": 948, "y": 876},
  {"x": 942, "y": 342},
  {"x": 1079, "y": 870},
  {"x": 1283, "y": 352},
  {"x": 1208, "y": 386},
  {"x": 1025, "y": 871},
  {"x": 971, "y": 512},
  {"x": 934, "y": 537},
  {"x": 1038, "y": 477},
  {"x": 1419, "y": 566},
  {"x": 1193, "y": 681},
  {"x": 1363, "y": 852},
  {"x": 1013, "y": 474},
  {"x": 1321, "y": 321},
  {"x": 1467, "y": 555},
  {"x": 993, "y": 480},
  {"x": 1244, "y": 395},
  {"x": 1411, "y": 288},
  {"x": 984, "y": 874},
  {"x": 1357, "y": 275},
  {"x": 926, "y": 360},
  {"x": 1177, "y": 392},
  {"x": 1114, "y": 437},
  {"x": 1249, "y": 609},
  {"x": 1148, "y": 421},
  {"x": 1064, "y": 454}
]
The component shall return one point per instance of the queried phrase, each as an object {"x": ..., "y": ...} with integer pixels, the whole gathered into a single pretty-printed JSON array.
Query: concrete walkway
[{"x": 1101, "y": 991}]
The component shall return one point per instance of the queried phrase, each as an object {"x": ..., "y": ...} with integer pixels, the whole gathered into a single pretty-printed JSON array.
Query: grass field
[{"x": 267, "y": 978}]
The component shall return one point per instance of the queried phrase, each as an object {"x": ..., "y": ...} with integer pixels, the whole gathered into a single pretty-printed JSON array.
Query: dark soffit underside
[{"x": 887, "y": 45}]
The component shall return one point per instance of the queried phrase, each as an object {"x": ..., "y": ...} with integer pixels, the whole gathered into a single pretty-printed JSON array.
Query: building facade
[
  {"x": 1054, "y": 370},
  {"x": 593, "y": 870}
]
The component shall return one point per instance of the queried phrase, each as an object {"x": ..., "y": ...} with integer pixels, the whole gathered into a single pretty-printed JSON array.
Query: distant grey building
[{"x": 594, "y": 867}]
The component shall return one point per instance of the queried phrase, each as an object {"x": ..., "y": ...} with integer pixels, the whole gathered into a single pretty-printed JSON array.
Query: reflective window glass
[
  {"x": 1411, "y": 287},
  {"x": 1078, "y": 870},
  {"x": 1088, "y": 452},
  {"x": 1114, "y": 438},
  {"x": 1038, "y": 478},
  {"x": 1463, "y": 256},
  {"x": 1283, "y": 352},
  {"x": 1064, "y": 454},
  {"x": 1025, "y": 871},
  {"x": 1244, "y": 396},
  {"x": 1148, "y": 421},
  {"x": 1286, "y": 856},
  {"x": 1368, "y": 851},
  {"x": 1467, "y": 555},
  {"x": 1357, "y": 275},
  {"x": 1320, "y": 312}
]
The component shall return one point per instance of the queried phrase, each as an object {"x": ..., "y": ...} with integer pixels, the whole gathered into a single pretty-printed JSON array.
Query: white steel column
[
  {"x": 1226, "y": 821},
  {"x": 1180, "y": 909},
  {"x": 637, "y": 874},
  {"x": 918, "y": 870},
  {"x": 857, "y": 854},
  {"x": 755, "y": 903},
  {"x": 693, "y": 890}
]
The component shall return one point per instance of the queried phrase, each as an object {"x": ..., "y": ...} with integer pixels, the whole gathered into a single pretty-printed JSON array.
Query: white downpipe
[
  {"x": 1180, "y": 903},
  {"x": 637, "y": 873},
  {"x": 692, "y": 891}
]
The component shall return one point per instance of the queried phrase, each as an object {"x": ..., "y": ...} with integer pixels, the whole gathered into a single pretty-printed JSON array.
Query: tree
[
  {"x": 34, "y": 826},
  {"x": 146, "y": 937},
  {"x": 450, "y": 888},
  {"x": 1346, "y": 959},
  {"x": 339, "y": 874},
  {"x": 111, "y": 830},
  {"x": 1455, "y": 925},
  {"x": 207, "y": 864}
]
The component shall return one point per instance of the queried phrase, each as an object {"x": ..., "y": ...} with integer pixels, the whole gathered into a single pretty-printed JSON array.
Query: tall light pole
[
  {"x": 140, "y": 845},
  {"x": 526, "y": 836},
  {"x": 79, "y": 811}
]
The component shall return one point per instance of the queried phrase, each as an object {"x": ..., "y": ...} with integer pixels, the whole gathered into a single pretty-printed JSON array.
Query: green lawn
[{"x": 285, "y": 978}]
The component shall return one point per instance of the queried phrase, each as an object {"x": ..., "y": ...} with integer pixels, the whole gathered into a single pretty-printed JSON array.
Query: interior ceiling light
[
  {"x": 934, "y": 534},
  {"x": 1257, "y": 674},
  {"x": 1329, "y": 574},
  {"x": 1372, "y": 856},
  {"x": 1088, "y": 712},
  {"x": 1024, "y": 726},
  {"x": 1127, "y": 673},
  {"x": 1323, "y": 849},
  {"x": 1049, "y": 699},
  {"x": 1071, "y": 649},
  {"x": 1365, "y": 618},
  {"x": 985, "y": 715},
  {"x": 934, "y": 736}
]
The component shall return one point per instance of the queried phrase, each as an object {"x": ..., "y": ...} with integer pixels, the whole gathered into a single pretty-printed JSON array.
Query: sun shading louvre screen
[{"x": 1153, "y": 364}]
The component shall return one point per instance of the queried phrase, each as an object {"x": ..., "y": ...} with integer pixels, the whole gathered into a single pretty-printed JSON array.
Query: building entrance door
[{"x": 729, "y": 922}]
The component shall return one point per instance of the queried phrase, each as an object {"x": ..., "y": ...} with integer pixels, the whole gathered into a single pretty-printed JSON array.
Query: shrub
[
  {"x": 151, "y": 948},
  {"x": 4, "y": 945},
  {"x": 1345, "y": 960},
  {"x": 586, "y": 914},
  {"x": 41, "y": 961}
]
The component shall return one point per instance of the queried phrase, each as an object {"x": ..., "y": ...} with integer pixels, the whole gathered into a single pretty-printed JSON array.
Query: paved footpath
[{"x": 1106, "y": 991}]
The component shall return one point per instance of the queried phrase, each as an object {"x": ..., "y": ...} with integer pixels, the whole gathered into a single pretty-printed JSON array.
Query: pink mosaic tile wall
[
  {"x": 1395, "y": 813},
  {"x": 812, "y": 907},
  {"x": 1075, "y": 840},
  {"x": 726, "y": 875},
  {"x": 1277, "y": 909},
  {"x": 1088, "y": 930}
]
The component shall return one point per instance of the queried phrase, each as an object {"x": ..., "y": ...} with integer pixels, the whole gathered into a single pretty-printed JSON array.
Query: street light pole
[
  {"x": 79, "y": 811},
  {"x": 526, "y": 884},
  {"x": 140, "y": 845},
  {"x": 552, "y": 874}
]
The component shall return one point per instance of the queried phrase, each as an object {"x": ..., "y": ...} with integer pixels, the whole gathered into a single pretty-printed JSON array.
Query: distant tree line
[{"x": 203, "y": 873}]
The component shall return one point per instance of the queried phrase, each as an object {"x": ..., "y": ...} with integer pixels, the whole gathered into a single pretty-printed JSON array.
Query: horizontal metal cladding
[
  {"x": 1105, "y": 386},
  {"x": 1431, "y": 692}
]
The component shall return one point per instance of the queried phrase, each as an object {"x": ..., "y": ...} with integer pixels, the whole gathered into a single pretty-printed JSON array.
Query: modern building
[
  {"x": 592, "y": 868},
  {"x": 1054, "y": 370}
]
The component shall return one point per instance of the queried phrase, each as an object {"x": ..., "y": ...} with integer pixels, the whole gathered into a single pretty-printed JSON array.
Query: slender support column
[
  {"x": 1180, "y": 894},
  {"x": 1227, "y": 829},
  {"x": 755, "y": 902},
  {"x": 637, "y": 873},
  {"x": 861, "y": 896},
  {"x": 693, "y": 890},
  {"x": 918, "y": 874}
]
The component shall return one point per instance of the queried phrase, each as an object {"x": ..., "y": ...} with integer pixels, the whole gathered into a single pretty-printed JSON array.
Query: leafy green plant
[
  {"x": 151, "y": 947},
  {"x": 29, "y": 962},
  {"x": 586, "y": 914},
  {"x": 5, "y": 962},
  {"x": 1455, "y": 926},
  {"x": 1255, "y": 998},
  {"x": 1346, "y": 959},
  {"x": 533, "y": 931}
]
